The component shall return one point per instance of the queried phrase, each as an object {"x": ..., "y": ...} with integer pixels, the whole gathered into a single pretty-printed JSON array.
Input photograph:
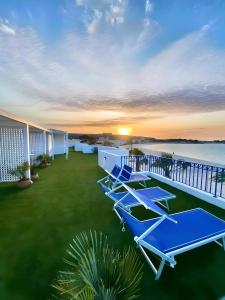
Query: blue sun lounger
[
  {"x": 170, "y": 235},
  {"x": 118, "y": 176},
  {"x": 155, "y": 194}
]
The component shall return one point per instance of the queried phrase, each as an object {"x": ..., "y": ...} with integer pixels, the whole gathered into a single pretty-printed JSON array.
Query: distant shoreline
[{"x": 186, "y": 157}]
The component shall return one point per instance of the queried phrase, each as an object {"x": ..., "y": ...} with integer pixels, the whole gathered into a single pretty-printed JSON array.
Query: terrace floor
[{"x": 38, "y": 223}]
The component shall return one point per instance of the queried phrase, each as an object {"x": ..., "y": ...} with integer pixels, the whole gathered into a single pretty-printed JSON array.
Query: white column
[
  {"x": 26, "y": 145},
  {"x": 44, "y": 142},
  {"x": 67, "y": 148},
  {"x": 53, "y": 146}
]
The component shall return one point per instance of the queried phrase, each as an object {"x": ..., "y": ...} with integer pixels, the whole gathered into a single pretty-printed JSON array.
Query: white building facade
[{"x": 22, "y": 141}]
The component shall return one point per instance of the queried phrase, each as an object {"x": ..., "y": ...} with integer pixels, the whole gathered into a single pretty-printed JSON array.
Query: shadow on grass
[{"x": 7, "y": 190}]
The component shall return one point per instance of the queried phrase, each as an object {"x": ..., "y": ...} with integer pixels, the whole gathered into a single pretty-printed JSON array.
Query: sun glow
[{"x": 124, "y": 131}]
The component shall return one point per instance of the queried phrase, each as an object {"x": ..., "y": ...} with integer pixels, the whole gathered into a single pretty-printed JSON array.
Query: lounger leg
[
  {"x": 159, "y": 272},
  {"x": 161, "y": 266},
  {"x": 148, "y": 259},
  {"x": 167, "y": 205},
  {"x": 118, "y": 215}
]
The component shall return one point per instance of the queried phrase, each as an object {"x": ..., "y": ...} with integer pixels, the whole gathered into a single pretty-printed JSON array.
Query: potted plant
[
  {"x": 21, "y": 172},
  {"x": 95, "y": 270},
  {"x": 34, "y": 173},
  {"x": 45, "y": 160}
]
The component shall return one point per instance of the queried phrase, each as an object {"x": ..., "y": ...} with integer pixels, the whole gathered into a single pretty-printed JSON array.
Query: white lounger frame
[
  {"x": 169, "y": 256},
  {"x": 119, "y": 183},
  {"x": 156, "y": 200}
]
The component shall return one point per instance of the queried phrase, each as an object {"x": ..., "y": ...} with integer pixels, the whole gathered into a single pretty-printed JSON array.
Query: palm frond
[{"x": 97, "y": 271}]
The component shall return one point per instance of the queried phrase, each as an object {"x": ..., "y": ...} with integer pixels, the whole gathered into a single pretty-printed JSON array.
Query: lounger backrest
[
  {"x": 115, "y": 172},
  {"x": 125, "y": 173},
  {"x": 128, "y": 168}
]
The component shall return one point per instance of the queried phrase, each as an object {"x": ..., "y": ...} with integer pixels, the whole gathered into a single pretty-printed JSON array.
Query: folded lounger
[
  {"x": 129, "y": 199},
  {"x": 170, "y": 235},
  {"x": 118, "y": 176}
]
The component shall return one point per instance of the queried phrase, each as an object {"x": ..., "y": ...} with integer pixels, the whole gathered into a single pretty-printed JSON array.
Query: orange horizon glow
[{"x": 201, "y": 126}]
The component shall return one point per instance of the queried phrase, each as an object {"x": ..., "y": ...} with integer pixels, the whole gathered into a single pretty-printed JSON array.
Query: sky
[{"x": 156, "y": 67}]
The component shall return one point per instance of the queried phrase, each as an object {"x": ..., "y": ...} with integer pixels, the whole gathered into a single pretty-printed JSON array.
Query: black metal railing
[{"x": 207, "y": 178}]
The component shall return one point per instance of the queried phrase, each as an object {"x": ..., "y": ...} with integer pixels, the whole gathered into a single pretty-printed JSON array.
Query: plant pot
[
  {"x": 34, "y": 177},
  {"x": 22, "y": 184},
  {"x": 44, "y": 165}
]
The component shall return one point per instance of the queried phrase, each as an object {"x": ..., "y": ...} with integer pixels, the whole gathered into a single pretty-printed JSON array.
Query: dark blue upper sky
[{"x": 53, "y": 18}]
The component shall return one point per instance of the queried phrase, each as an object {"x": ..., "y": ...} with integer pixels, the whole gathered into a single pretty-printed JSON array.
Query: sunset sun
[{"x": 124, "y": 131}]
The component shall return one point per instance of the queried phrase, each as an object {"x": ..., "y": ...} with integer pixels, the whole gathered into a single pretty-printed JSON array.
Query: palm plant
[
  {"x": 140, "y": 159},
  {"x": 165, "y": 162},
  {"x": 96, "y": 271},
  {"x": 21, "y": 171},
  {"x": 219, "y": 178},
  {"x": 44, "y": 159}
]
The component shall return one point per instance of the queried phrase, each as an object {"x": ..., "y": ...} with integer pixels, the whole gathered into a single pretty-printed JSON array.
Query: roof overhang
[{"x": 21, "y": 120}]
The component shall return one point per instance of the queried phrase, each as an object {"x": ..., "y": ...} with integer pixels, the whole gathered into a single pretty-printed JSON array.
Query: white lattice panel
[{"x": 11, "y": 151}]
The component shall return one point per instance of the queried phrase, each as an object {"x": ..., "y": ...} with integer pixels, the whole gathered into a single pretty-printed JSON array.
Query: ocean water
[{"x": 213, "y": 153}]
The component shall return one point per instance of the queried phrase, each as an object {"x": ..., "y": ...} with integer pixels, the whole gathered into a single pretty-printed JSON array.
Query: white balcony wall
[
  {"x": 78, "y": 146},
  {"x": 107, "y": 158},
  {"x": 87, "y": 149},
  {"x": 60, "y": 143}
]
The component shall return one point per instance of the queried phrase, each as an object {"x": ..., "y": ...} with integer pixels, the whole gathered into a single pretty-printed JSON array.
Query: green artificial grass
[{"x": 37, "y": 224}]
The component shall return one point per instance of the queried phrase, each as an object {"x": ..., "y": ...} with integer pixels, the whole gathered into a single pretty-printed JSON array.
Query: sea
[{"x": 213, "y": 153}]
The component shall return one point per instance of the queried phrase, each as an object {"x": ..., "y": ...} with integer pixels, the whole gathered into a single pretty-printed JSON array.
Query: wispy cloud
[
  {"x": 6, "y": 28},
  {"x": 148, "y": 7},
  {"x": 111, "y": 12},
  {"x": 120, "y": 121}
]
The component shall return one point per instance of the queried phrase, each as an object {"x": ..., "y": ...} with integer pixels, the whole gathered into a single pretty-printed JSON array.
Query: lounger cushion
[
  {"x": 193, "y": 226},
  {"x": 154, "y": 194},
  {"x": 138, "y": 177}
]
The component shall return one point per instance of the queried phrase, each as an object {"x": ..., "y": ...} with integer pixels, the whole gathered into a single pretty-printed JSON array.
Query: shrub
[{"x": 136, "y": 151}]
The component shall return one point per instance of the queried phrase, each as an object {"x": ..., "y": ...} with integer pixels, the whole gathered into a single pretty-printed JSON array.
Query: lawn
[{"x": 38, "y": 223}]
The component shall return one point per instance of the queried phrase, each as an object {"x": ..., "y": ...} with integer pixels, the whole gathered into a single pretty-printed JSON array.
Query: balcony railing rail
[{"x": 207, "y": 178}]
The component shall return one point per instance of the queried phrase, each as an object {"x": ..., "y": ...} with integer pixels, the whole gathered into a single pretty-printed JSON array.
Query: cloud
[
  {"x": 150, "y": 30},
  {"x": 179, "y": 102},
  {"x": 98, "y": 72},
  {"x": 110, "y": 12},
  {"x": 148, "y": 7},
  {"x": 120, "y": 121},
  {"x": 115, "y": 13},
  {"x": 80, "y": 2},
  {"x": 92, "y": 26},
  {"x": 6, "y": 28}
]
